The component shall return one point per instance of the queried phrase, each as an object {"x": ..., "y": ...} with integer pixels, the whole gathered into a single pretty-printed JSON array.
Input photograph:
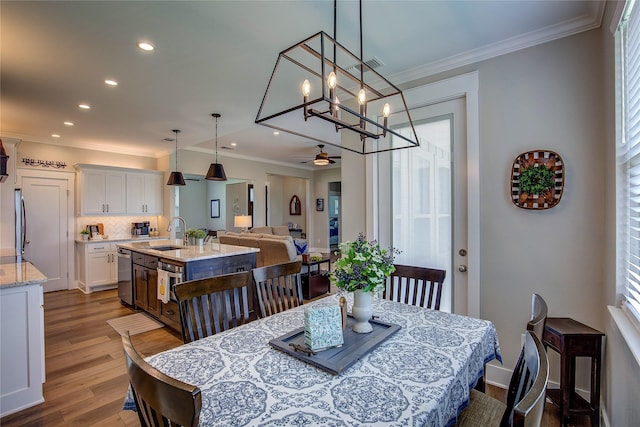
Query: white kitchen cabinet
[
  {"x": 98, "y": 266},
  {"x": 102, "y": 191},
  {"x": 144, "y": 193},
  {"x": 22, "y": 348}
]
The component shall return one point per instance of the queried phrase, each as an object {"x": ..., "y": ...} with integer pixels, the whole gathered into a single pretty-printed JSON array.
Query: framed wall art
[
  {"x": 320, "y": 205},
  {"x": 537, "y": 179},
  {"x": 215, "y": 208}
]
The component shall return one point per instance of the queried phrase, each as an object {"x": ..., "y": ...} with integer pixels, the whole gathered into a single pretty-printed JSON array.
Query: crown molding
[
  {"x": 131, "y": 150},
  {"x": 533, "y": 38}
]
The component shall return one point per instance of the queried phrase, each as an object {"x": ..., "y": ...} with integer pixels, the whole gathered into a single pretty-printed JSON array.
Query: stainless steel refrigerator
[{"x": 21, "y": 225}]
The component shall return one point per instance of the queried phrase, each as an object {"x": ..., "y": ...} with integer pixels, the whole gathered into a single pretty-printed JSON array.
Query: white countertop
[
  {"x": 122, "y": 239},
  {"x": 20, "y": 274},
  {"x": 187, "y": 253}
]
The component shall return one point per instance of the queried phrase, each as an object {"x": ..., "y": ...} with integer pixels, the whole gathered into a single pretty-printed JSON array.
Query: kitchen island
[
  {"x": 96, "y": 261},
  {"x": 168, "y": 262},
  {"x": 21, "y": 336}
]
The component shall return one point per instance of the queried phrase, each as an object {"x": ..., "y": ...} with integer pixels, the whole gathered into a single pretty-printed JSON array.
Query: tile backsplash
[{"x": 116, "y": 227}]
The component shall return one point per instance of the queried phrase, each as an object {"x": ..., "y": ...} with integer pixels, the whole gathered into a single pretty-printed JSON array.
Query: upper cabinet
[
  {"x": 106, "y": 190},
  {"x": 102, "y": 192},
  {"x": 144, "y": 193}
]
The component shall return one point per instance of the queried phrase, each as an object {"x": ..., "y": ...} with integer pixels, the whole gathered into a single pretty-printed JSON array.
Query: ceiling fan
[{"x": 322, "y": 158}]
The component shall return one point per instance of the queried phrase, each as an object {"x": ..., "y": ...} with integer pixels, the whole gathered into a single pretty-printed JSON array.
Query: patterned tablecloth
[{"x": 421, "y": 376}]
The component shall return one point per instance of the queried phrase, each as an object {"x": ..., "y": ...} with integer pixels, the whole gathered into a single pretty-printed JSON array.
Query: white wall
[
  {"x": 277, "y": 205},
  {"x": 194, "y": 205},
  {"x": 548, "y": 96},
  {"x": 217, "y": 190},
  {"x": 553, "y": 101},
  {"x": 294, "y": 186}
]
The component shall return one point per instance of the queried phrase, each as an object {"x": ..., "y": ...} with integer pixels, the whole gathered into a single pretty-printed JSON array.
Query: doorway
[
  {"x": 426, "y": 211},
  {"x": 48, "y": 199}
]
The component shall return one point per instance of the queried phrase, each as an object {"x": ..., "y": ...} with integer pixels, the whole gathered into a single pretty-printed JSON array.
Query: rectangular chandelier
[{"x": 319, "y": 89}]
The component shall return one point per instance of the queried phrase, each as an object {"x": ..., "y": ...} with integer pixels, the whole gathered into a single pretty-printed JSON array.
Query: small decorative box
[{"x": 323, "y": 327}]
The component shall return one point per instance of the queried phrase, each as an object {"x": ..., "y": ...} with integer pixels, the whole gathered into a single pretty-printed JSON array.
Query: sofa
[
  {"x": 274, "y": 249},
  {"x": 281, "y": 230}
]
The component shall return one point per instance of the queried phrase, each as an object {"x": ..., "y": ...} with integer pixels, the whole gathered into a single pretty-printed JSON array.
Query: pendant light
[
  {"x": 216, "y": 170},
  {"x": 176, "y": 177}
]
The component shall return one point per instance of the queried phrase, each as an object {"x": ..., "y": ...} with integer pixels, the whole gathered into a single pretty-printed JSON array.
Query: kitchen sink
[{"x": 166, "y": 248}]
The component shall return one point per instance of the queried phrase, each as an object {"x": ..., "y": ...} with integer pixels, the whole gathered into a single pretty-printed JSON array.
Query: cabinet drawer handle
[{"x": 171, "y": 312}]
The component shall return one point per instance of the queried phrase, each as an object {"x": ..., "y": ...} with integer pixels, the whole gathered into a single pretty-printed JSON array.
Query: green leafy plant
[
  {"x": 196, "y": 234},
  {"x": 363, "y": 265},
  {"x": 536, "y": 179},
  {"x": 85, "y": 231}
]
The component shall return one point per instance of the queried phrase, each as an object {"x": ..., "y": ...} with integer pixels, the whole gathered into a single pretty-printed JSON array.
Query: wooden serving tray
[{"x": 336, "y": 360}]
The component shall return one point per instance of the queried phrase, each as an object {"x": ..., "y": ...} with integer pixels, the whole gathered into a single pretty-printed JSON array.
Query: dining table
[{"x": 419, "y": 376}]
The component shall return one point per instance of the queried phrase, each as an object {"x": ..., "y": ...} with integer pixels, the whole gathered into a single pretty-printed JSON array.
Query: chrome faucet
[{"x": 185, "y": 241}]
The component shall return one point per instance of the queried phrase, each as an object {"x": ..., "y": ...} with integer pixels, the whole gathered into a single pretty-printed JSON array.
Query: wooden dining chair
[
  {"x": 418, "y": 286},
  {"x": 278, "y": 287},
  {"x": 214, "y": 304},
  {"x": 538, "y": 315},
  {"x": 160, "y": 399},
  {"x": 525, "y": 397}
]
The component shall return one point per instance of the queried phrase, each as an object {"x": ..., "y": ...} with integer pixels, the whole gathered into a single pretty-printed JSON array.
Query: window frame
[{"x": 627, "y": 39}]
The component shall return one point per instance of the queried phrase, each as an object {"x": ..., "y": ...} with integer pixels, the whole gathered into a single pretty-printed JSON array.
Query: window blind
[{"x": 628, "y": 152}]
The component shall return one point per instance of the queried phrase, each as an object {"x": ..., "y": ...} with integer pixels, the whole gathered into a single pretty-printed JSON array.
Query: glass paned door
[
  {"x": 425, "y": 213},
  {"x": 422, "y": 197}
]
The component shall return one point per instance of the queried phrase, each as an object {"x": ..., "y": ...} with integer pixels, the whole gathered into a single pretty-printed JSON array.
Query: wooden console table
[
  {"x": 573, "y": 339},
  {"x": 315, "y": 281}
]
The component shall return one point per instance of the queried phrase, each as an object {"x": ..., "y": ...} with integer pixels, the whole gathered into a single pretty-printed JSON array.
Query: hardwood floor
[{"x": 86, "y": 378}]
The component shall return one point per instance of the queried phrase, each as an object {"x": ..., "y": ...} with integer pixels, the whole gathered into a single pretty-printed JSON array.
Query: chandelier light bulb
[
  {"x": 386, "y": 110},
  {"x": 332, "y": 80},
  {"x": 362, "y": 97},
  {"x": 306, "y": 88}
]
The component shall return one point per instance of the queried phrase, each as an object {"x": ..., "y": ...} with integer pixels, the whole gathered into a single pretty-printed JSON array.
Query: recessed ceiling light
[
  {"x": 111, "y": 82},
  {"x": 55, "y": 135},
  {"x": 145, "y": 46},
  {"x": 276, "y": 132},
  {"x": 84, "y": 106},
  {"x": 233, "y": 144},
  {"x": 68, "y": 123}
]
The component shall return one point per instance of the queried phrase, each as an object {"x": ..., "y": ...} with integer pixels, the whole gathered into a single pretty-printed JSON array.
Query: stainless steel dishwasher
[{"x": 125, "y": 281}]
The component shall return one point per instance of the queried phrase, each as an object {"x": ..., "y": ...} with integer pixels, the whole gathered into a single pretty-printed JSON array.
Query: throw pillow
[{"x": 301, "y": 246}]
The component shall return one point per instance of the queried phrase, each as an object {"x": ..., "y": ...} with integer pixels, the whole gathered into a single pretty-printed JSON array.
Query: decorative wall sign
[
  {"x": 320, "y": 204},
  {"x": 537, "y": 179},
  {"x": 44, "y": 163}
]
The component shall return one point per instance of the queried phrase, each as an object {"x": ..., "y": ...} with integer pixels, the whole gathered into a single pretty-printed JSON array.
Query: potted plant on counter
[
  {"x": 196, "y": 237},
  {"x": 84, "y": 234}
]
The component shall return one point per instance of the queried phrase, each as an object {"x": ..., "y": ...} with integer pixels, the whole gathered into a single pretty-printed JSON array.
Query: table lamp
[{"x": 242, "y": 221}]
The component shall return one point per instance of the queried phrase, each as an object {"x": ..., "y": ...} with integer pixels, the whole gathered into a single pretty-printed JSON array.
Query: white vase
[{"x": 362, "y": 312}]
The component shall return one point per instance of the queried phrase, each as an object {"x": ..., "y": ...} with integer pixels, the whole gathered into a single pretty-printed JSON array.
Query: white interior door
[
  {"x": 425, "y": 215},
  {"x": 46, "y": 199}
]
